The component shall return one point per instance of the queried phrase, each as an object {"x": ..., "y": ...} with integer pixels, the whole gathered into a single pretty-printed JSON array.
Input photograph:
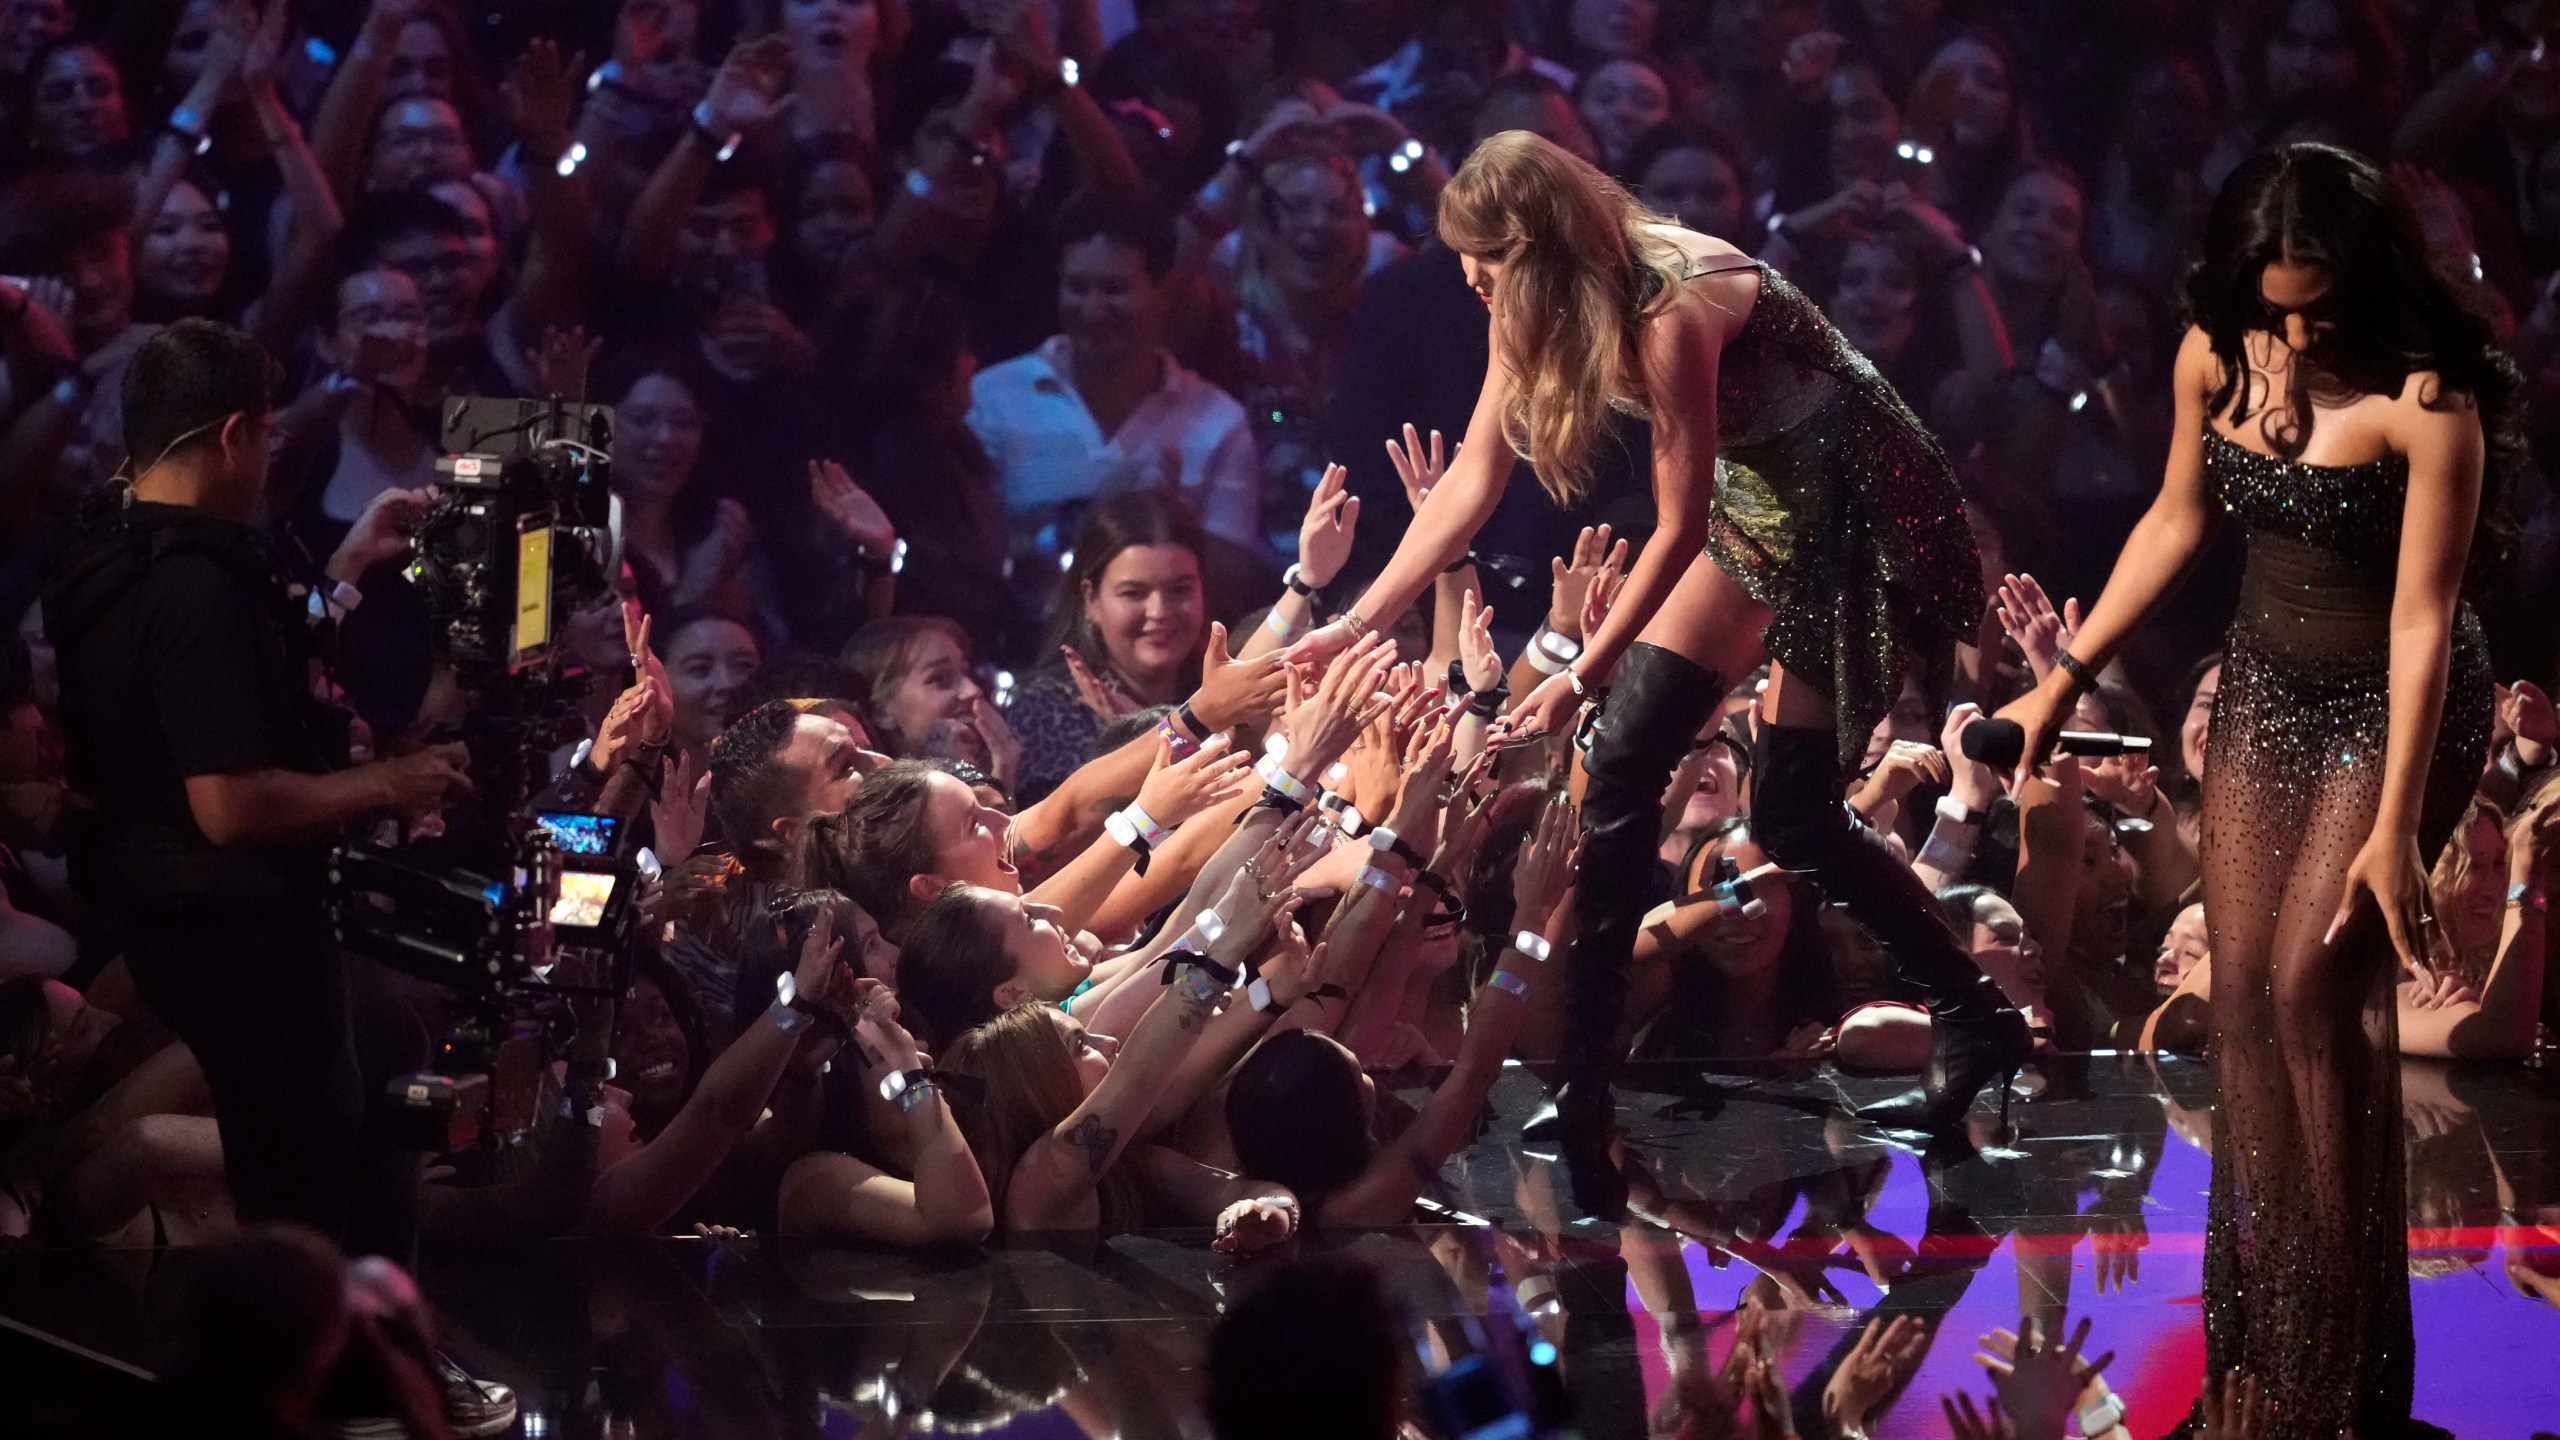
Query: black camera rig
[{"x": 511, "y": 910}]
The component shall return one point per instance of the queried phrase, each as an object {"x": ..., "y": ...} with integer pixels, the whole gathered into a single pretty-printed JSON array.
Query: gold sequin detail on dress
[
  {"x": 2306, "y": 1253},
  {"x": 1836, "y": 508}
]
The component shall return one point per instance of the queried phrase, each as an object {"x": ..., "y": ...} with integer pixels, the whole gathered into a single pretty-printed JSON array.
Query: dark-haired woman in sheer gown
[{"x": 2337, "y": 398}]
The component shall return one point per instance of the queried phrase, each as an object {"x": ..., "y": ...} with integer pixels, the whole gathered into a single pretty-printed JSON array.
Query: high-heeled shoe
[
  {"x": 1975, "y": 1033},
  {"x": 1972, "y": 1040}
]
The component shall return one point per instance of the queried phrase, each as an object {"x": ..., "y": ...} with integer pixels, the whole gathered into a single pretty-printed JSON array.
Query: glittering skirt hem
[{"x": 1850, "y": 528}]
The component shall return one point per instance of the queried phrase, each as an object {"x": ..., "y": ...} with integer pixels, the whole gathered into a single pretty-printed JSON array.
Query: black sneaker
[{"x": 474, "y": 1409}]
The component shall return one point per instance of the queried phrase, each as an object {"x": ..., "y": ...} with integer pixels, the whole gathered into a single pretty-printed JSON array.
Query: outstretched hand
[
  {"x": 2038, "y": 1380},
  {"x": 1324, "y": 537},
  {"x": 1419, "y": 470}
]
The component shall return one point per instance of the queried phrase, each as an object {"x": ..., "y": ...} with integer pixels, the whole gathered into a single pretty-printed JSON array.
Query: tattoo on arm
[{"x": 1096, "y": 1139}]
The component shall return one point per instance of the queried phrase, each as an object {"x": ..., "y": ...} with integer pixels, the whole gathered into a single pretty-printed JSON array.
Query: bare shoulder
[
  {"x": 2437, "y": 426},
  {"x": 2425, "y": 398},
  {"x": 2198, "y": 370}
]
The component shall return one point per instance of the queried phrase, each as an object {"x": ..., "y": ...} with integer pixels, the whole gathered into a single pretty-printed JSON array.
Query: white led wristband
[
  {"x": 1141, "y": 824},
  {"x": 1208, "y": 925},
  {"x": 1281, "y": 780},
  {"x": 1259, "y": 995},
  {"x": 1549, "y": 652},
  {"x": 1956, "y": 812},
  {"x": 1532, "y": 946}
]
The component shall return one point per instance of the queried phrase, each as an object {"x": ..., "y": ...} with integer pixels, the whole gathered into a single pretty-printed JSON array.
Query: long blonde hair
[{"x": 1580, "y": 275}]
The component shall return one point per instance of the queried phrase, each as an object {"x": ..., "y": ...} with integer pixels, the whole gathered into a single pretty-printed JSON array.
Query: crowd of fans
[{"x": 1102, "y": 345}]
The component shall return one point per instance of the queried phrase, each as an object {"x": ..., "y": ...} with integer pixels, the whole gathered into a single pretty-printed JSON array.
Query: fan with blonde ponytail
[{"x": 1580, "y": 274}]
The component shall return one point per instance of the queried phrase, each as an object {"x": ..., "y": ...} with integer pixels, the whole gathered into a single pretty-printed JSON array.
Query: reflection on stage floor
[{"x": 1755, "y": 1189}]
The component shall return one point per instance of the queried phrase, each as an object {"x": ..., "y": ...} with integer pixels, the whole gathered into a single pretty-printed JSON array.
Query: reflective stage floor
[{"x": 2096, "y": 1202}]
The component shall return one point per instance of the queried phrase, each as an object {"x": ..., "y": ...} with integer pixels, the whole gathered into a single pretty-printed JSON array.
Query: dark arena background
[{"x": 793, "y": 718}]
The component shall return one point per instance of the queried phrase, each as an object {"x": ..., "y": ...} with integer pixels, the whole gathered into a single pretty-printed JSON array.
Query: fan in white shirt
[{"x": 1102, "y": 409}]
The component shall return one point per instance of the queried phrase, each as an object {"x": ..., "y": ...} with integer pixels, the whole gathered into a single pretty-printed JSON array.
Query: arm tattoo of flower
[{"x": 1096, "y": 1139}]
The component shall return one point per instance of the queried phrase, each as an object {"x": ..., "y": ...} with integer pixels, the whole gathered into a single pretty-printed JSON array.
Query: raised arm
[
  {"x": 746, "y": 94},
  {"x": 343, "y": 129},
  {"x": 1232, "y": 692},
  {"x": 2164, "y": 543},
  {"x": 302, "y": 263},
  {"x": 1173, "y": 792},
  {"x": 1057, "y": 1175},
  {"x": 947, "y": 1201},
  {"x": 1385, "y": 1192},
  {"x": 543, "y": 101},
  {"x": 640, "y": 1192},
  {"x": 1457, "y": 508}
]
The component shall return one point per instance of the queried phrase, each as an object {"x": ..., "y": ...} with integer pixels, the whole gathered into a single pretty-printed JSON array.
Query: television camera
[{"x": 512, "y": 909}]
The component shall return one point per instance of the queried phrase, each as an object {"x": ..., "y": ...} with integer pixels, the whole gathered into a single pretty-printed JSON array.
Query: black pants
[{"x": 263, "y": 1002}]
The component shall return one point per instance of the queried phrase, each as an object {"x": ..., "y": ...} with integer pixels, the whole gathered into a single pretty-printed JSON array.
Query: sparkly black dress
[
  {"x": 2306, "y": 1255},
  {"x": 1834, "y": 507}
]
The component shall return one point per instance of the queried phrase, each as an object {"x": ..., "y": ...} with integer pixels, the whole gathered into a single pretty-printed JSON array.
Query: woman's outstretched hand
[
  {"x": 1546, "y": 710},
  {"x": 1317, "y": 648}
]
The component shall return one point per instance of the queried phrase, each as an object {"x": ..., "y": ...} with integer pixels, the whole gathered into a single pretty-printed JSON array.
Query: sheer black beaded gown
[{"x": 2306, "y": 1252}]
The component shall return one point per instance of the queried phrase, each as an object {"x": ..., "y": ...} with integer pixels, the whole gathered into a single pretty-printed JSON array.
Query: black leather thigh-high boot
[
  {"x": 1799, "y": 817},
  {"x": 1658, "y": 702}
]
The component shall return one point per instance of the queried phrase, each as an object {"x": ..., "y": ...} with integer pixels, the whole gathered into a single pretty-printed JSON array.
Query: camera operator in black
[{"x": 189, "y": 726}]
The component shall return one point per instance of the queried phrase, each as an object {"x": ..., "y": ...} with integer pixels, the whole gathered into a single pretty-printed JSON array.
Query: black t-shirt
[{"x": 178, "y": 661}]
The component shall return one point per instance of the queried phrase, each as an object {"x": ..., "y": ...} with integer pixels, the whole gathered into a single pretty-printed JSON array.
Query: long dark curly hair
[{"x": 2392, "y": 309}]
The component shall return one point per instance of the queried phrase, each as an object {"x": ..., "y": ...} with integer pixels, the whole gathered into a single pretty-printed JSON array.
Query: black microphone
[{"x": 2003, "y": 743}]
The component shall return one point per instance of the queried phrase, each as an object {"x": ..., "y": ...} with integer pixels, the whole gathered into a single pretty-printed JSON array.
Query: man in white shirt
[{"x": 1102, "y": 408}]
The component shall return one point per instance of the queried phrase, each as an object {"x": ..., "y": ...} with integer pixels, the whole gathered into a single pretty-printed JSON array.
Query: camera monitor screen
[
  {"x": 578, "y": 834},
  {"x": 533, "y": 591},
  {"x": 583, "y": 897}
]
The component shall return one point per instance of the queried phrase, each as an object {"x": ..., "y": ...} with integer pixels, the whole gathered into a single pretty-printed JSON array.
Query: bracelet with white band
[
  {"x": 1208, "y": 925},
  {"x": 1278, "y": 778},
  {"x": 1258, "y": 995},
  {"x": 1532, "y": 946},
  {"x": 2102, "y": 1415},
  {"x": 1545, "y": 659},
  {"x": 1956, "y": 812},
  {"x": 1379, "y": 880},
  {"x": 1346, "y": 816},
  {"x": 1140, "y": 821}
]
